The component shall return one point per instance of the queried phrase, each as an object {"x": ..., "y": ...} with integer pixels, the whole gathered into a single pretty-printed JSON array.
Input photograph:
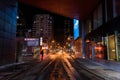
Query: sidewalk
[
  {"x": 10, "y": 65},
  {"x": 100, "y": 69},
  {"x": 109, "y": 64}
]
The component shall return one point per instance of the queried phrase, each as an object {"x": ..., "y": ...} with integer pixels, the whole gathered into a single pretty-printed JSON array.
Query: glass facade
[
  {"x": 112, "y": 55},
  {"x": 8, "y": 12},
  {"x": 112, "y": 9},
  {"x": 97, "y": 17},
  {"x": 109, "y": 9},
  {"x": 113, "y": 46},
  {"x": 117, "y": 7},
  {"x": 107, "y": 44},
  {"x": 118, "y": 46},
  {"x": 89, "y": 25}
]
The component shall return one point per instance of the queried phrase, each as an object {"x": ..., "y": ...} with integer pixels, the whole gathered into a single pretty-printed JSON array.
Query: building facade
[
  {"x": 68, "y": 28},
  {"x": 21, "y": 33},
  {"x": 8, "y": 13},
  {"x": 43, "y": 28},
  {"x": 102, "y": 32}
]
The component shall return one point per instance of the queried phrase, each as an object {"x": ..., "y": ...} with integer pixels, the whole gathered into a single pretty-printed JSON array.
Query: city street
[
  {"x": 59, "y": 66},
  {"x": 59, "y": 40}
]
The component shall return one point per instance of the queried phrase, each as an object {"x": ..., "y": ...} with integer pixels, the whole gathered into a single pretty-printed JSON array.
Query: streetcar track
[
  {"x": 59, "y": 73},
  {"x": 56, "y": 69},
  {"x": 16, "y": 70},
  {"x": 45, "y": 71},
  {"x": 35, "y": 75}
]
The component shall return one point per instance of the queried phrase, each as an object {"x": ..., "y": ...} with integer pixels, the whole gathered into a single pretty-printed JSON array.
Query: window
[{"x": 97, "y": 17}]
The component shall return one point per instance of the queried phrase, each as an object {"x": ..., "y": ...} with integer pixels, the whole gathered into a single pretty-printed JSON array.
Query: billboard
[
  {"x": 32, "y": 41},
  {"x": 76, "y": 29}
]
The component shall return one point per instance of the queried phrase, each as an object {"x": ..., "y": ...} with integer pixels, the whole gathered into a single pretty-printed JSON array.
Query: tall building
[
  {"x": 68, "y": 27},
  {"x": 21, "y": 25},
  {"x": 43, "y": 27},
  {"x": 8, "y": 13}
]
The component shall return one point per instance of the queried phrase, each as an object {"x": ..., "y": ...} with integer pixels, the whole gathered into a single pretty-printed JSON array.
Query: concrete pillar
[
  {"x": 116, "y": 45},
  {"x": 83, "y": 40},
  {"x": 108, "y": 51}
]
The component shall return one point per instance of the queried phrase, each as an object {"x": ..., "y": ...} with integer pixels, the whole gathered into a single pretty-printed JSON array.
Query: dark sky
[{"x": 29, "y": 11}]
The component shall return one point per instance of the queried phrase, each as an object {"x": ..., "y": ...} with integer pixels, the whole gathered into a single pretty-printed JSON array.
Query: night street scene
[{"x": 59, "y": 39}]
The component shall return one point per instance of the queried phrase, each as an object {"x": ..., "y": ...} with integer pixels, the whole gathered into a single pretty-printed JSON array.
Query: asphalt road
[{"x": 59, "y": 66}]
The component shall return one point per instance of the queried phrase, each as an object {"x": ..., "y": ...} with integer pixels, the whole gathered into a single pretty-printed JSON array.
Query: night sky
[{"x": 29, "y": 11}]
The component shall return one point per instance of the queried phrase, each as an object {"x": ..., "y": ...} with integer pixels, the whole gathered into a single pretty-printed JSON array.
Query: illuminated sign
[
  {"x": 31, "y": 39},
  {"x": 76, "y": 29},
  {"x": 41, "y": 41}
]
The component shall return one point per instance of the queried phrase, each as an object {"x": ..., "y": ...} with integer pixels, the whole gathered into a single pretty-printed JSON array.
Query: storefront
[
  {"x": 78, "y": 47},
  {"x": 102, "y": 32},
  {"x": 96, "y": 50},
  {"x": 113, "y": 47},
  {"x": 107, "y": 47}
]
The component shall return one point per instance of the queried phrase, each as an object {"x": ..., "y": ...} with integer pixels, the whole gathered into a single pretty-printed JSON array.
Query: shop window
[
  {"x": 112, "y": 51},
  {"x": 118, "y": 45}
]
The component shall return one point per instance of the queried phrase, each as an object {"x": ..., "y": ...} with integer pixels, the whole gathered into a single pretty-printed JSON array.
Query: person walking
[{"x": 42, "y": 54}]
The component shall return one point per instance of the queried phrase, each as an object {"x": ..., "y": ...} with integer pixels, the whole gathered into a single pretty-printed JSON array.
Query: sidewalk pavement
[
  {"x": 10, "y": 65},
  {"x": 105, "y": 70},
  {"x": 109, "y": 64}
]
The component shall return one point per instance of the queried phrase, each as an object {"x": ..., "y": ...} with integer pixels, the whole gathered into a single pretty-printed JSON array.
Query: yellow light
[{"x": 98, "y": 48}]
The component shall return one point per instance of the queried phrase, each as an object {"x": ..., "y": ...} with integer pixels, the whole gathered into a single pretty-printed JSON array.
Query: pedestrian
[{"x": 42, "y": 53}]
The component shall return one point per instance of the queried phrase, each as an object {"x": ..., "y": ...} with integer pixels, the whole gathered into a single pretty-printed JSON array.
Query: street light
[{"x": 53, "y": 41}]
